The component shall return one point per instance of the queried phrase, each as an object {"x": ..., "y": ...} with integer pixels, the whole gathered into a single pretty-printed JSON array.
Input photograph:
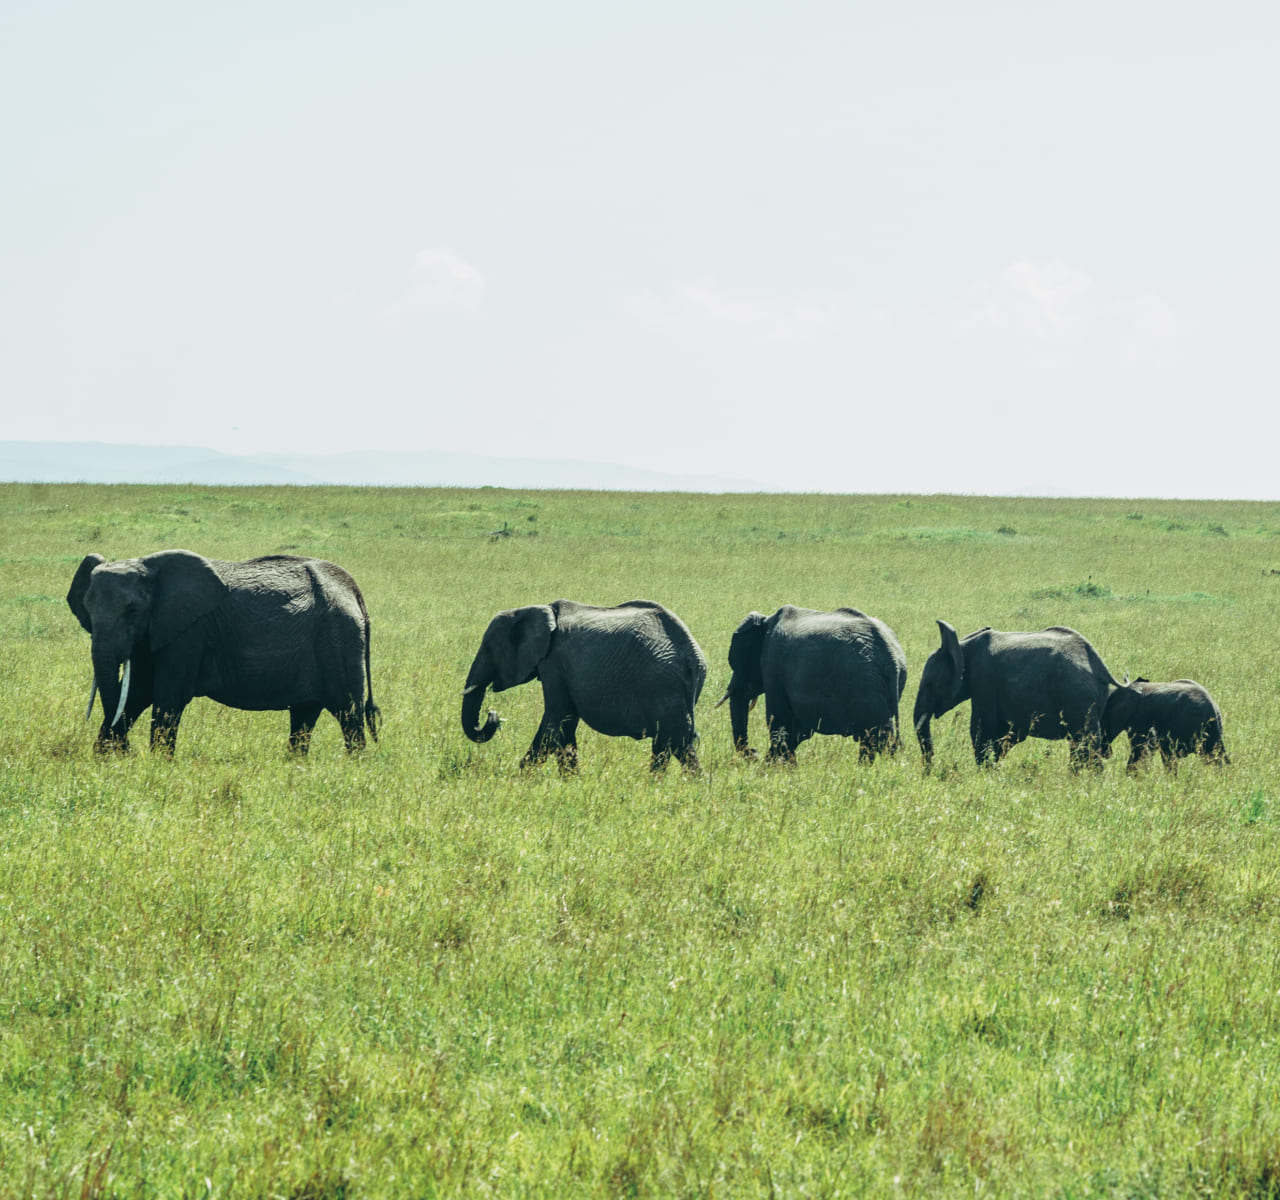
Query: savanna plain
[{"x": 422, "y": 972}]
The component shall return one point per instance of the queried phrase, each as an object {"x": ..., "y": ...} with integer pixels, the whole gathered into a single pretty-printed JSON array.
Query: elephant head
[
  {"x": 513, "y": 645},
  {"x": 747, "y": 681},
  {"x": 137, "y": 606},
  {"x": 1122, "y": 711},
  {"x": 943, "y": 685}
]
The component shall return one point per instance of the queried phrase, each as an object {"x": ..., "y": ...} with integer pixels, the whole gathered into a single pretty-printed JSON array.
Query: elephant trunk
[
  {"x": 113, "y": 689},
  {"x": 925, "y": 736},
  {"x": 739, "y": 707},
  {"x": 472, "y": 699}
]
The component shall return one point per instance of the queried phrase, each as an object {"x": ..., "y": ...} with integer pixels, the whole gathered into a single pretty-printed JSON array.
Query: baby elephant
[{"x": 1176, "y": 718}]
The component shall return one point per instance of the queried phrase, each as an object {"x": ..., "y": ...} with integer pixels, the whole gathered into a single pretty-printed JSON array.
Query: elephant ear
[
  {"x": 952, "y": 653},
  {"x": 745, "y": 648},
  {"x": 184, "y": 588},
  {"x": 1117, "y": 708},
  {"x": 530, "y": 640},
  {"x": 79, "y": 586}
]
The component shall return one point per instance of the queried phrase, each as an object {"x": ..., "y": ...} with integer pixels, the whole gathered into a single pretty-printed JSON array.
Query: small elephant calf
[{"x": 1175, "y": 718}]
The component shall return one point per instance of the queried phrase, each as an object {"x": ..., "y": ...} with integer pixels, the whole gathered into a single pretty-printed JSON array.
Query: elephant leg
[
  {"x": 688, "y": 757},
  {"x": 117, "y": 739},
  {"x": 175, "y": 684},
  {"x": 112, "y": 741},
  {"x": 1080, "y": 753},
  {"x": 351, "y": 719},
  {"x": 661, "y": 754},
  {"x": 782, "y": 739},
  {"x": 874, "y": 741},
  {"x": 539, "y": 747},
  {"x": 782, "y": 746},
  {"x": 302, "y": 720},
  {"x": 680, "y": 744},
  {"x": 567, "y": 758},
  {"x": 566, "y": 749},
  {"x": 986, "y": 752},
  {"x": 164, "y": 729},
  {"x": 981, "y": 746},
  {"x": 555, "y": 735},
  {"x": 1089, "y": 749}
]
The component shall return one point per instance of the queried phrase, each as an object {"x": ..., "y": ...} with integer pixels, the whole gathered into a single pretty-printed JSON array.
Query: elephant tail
[{"x": 372, "y": 713}]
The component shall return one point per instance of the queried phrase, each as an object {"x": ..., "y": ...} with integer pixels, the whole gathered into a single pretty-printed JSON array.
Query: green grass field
[{"x": 422, "y": 973}]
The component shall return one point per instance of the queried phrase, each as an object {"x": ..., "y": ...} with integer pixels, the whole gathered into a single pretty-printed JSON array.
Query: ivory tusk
[
  {"x": 921, "y": 721},
  {"x": 722, "y": 699},
  {"x": 466, "y": 691},
  {"x": 752, "y": 706},
  {"x": 93, "y": 694},
  {"x": 124, "y": 693}
]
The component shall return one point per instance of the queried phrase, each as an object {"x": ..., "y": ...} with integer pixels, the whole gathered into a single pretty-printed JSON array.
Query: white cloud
[
  {"x": 1153, "y": 319},
  {"x": 1049, "y": 315},
  {"x": 1044, "y": 301},
  {"x": 444, "y": 279},
  {"x": 703, "y": 311}
]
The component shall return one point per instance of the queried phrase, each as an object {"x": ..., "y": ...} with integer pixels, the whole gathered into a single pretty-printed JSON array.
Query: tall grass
[{"x": 422, "y": 972}]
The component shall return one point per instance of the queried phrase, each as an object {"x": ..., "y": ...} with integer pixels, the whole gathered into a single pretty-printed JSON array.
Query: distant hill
[{"x": 102, "y": 462}]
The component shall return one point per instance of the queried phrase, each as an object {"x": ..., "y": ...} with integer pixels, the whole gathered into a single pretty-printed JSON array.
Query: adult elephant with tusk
[
  {"x": 268, "y": 633},
  {"x": 838, "y": 673},
  {"x": 633, "y": 670},
  {"x": 1047, "y": 684}
]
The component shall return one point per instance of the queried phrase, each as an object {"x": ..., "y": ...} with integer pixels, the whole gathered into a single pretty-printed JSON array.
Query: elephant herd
[{"x": 283, "y": 632}]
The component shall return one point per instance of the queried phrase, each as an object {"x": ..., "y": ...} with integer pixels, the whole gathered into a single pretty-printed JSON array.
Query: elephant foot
[{"x": 567, "y": 760}]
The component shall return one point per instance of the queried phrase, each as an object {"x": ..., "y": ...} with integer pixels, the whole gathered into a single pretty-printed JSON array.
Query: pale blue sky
[{"x": 836, "y": 246}]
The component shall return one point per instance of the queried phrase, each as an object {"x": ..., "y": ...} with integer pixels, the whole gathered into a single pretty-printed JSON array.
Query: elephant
[
  {"x": 268, "y": 633},
  {"x": 1051, "y": 684},
  {"x": 633, "y": 670},
  {"x": 839, "y": 673},
  {"x": 1175, "y": 718}
]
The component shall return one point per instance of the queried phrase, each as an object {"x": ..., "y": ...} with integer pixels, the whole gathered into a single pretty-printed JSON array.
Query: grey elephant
[
  {"x": 1175, "y": 718},
  {"x": 633, "y": 670},
  {"x": 270, "y": 633},
  {"x": 1051, "y": 684},
  {"x": 838, "y": 673}
]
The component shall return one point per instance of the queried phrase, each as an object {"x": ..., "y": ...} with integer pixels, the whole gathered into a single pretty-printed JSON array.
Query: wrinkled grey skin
[
  {"x": 270, "y": 633},
  {"x": 633, "y": 670},
  {"x": 1175, "y": 718},
  {"x": 1050, "y": 684},
  {"x": 839, "y": 673}
]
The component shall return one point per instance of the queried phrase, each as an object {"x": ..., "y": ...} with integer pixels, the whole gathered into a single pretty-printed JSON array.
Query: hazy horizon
[{"x": 70, "y": 462}]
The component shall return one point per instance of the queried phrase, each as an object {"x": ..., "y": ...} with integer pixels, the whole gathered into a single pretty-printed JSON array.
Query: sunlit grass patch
[{"x": 426, "y": 970}]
